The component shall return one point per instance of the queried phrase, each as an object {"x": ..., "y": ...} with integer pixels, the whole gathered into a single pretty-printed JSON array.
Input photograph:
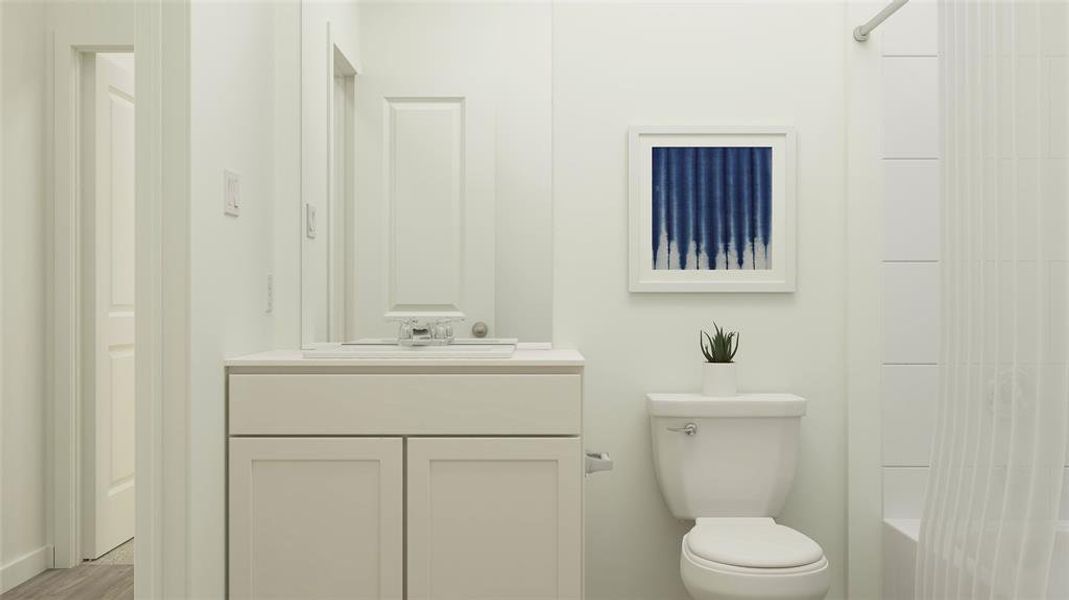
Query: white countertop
[{"x": 526, "y": 355}]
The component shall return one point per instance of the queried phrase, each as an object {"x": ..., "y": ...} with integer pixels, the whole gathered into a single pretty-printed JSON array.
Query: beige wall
[
  {"x": 23, "y": 503},
  {"x": 617, "y": 65}
]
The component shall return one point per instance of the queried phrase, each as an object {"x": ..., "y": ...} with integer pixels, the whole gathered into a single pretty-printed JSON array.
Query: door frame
[
  {"x": 158, "y": 32},
  {"x": 70, "y": 360},
  {"x": 341, "y": 310},
  {"x": 3, "y": 324}
]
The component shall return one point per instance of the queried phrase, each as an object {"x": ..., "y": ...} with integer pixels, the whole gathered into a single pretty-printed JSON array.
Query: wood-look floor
[
  {"x": 107, "y": 578},
  {"x": 84, "y": 582}
]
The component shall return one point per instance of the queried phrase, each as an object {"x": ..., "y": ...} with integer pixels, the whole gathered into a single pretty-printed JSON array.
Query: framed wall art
[{"x": 712, "y": 209}]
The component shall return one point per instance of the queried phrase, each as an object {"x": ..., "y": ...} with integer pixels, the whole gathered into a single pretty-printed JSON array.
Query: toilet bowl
[
  {"x": 728, "y": 464},
  {"x": 750, "y": 559}
]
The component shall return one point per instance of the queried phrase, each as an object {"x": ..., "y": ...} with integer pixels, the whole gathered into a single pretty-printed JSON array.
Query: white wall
[
  {"x": 233, "y": 71},
  {"x": 864, "y": 335},
  {"x": 287, "y": 191},
  {"x": 236, "y": 124},
  {"x": 23, "y": 503},
  {"x": 617, "y": 65}
]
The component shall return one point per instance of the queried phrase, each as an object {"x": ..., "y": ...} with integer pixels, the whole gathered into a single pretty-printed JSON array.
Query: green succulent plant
[{"x": 720, "y": 347}]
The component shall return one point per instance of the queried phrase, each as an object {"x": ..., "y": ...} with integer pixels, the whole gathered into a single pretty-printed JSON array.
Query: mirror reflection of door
[
  {"x": 435, "y": 253},
  {"x": 328, "y": 255},
  {"x": 341, "y": 214},
  {"x": 428, "y": 162},
  {"x": 108, "y": 111}
]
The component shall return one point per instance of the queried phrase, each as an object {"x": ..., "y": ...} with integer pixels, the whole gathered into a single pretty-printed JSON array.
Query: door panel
[
  {"x": 426, "y": 218},
  {"x": 494, "y": 518},
  {"x": 316, "y": 518},
  {"x": 425, "y": 189},
  {"x": 111, "y": 475}
]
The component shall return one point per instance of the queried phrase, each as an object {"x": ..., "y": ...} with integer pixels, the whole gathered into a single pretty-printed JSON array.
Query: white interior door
[
  {"x": 111, "y": 421},
  {"x": 425, "y": 219}
]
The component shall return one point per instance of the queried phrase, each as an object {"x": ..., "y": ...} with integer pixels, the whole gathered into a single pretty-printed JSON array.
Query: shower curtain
[{"x": 999, "y": 454}]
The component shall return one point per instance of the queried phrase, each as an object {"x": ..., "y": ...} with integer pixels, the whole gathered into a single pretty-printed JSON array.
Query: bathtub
[{"x": 900, "y": 554}]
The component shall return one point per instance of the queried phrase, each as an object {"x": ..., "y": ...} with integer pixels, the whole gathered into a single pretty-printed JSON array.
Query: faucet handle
[{"x": 442, "y": 329}]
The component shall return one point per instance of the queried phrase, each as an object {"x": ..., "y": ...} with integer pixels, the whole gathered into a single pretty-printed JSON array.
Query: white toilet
[{"x": 728, "y": 463}]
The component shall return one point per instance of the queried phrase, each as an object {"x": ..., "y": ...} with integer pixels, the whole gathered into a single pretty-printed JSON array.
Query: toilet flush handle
[{"x": 689, "y": 429}]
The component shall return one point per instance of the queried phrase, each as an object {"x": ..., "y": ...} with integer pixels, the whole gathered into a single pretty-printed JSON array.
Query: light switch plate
[
  {"x": 231, "y": 194},
  {"x": 310, "y": 225}
]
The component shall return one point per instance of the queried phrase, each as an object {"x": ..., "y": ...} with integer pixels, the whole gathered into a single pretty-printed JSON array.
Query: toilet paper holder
[{"x": 598, "y": 461}]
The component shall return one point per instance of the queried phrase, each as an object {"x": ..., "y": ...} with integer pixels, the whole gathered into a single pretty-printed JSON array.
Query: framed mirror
[{"x": 426, "y": 169}]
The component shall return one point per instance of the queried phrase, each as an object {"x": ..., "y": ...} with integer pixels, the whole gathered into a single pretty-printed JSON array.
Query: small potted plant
[{"x": 718, "y": 377}]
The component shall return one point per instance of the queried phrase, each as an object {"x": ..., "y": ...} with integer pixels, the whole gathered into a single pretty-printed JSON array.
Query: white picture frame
[{"x": 779, "y": 276}]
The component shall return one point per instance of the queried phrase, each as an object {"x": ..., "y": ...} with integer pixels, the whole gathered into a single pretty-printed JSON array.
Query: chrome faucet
[{"x": 429, "y": 332}]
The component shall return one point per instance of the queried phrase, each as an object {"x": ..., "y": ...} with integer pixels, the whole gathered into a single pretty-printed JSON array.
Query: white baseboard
[{"x": 25, "y": 567}]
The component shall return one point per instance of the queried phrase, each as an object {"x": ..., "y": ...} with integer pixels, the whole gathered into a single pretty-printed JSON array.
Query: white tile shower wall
[
  {"x": 903, "y": 492},
  {"x": 1058, "y": 69},
  {"x": 911, "y": 107},
  {"x": 911, "y": 253},
  {"x": 909, "y": 396},
  {"x": 914, "y": 30},
  {"x": 912, "y": 226},
  {"x": 911, "y": 313},
  {"x": 912, "y": 210}
]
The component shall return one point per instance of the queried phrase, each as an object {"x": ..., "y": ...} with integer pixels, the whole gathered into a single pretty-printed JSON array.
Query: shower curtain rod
[{"x": 861, "y": 32}]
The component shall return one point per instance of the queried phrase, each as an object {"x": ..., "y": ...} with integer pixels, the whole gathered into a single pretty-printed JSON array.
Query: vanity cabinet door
[
  {"x": 494, "y": 518},
  {"x": 316, "y": 518}
]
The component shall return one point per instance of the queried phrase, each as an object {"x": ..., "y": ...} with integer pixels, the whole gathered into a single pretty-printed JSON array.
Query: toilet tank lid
[{"x": 741, "y": 406}]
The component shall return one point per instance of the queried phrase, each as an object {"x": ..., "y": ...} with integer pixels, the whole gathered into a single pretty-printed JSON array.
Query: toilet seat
[
  {"x": 752, "y": 558},
  {"x": 751, "y": 542}
]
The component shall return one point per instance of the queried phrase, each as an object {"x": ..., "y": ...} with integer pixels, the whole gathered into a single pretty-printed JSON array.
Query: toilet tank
[{"x": 739, "y": 460}]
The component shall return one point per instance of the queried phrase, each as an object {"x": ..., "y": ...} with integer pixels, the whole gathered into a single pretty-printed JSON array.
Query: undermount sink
[{"x": 385, "y": 348}]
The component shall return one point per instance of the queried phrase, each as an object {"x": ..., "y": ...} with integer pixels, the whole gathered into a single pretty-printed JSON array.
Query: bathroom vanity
[{"x": 405, "y": 478}]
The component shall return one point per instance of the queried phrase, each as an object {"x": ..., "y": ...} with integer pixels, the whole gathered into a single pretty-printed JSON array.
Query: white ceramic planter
[{"x": 719, "y": 380}]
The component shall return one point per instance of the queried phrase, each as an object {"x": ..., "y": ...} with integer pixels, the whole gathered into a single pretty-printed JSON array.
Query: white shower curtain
[{"x": 999, "y": 454}]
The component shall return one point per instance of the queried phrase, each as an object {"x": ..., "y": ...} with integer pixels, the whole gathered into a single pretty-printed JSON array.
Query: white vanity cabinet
[
  {"x": 419, "y": 479},
  {"x": 316, "y": 518},
  {"x": 494, "y": 518}
]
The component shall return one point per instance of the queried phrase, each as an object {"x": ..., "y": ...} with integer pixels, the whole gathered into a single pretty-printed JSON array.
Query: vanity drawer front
[{"x": 404, "y": 404}]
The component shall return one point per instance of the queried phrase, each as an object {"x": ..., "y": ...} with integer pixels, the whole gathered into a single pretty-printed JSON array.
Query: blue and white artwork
[{"x": 712, "y": 208}]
